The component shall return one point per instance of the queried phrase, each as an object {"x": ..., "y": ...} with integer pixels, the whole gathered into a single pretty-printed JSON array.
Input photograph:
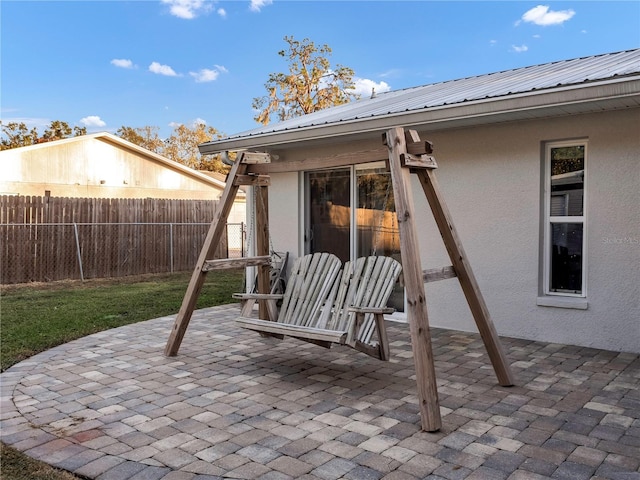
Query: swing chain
[{"x": 253, "y": 225}]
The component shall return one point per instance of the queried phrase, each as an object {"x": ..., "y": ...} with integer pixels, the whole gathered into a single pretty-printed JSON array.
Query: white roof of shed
[{"x": 579, "y": 85}]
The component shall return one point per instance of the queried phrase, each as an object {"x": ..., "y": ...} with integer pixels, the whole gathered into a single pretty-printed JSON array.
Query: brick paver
[{"x": 234, "y": 404}]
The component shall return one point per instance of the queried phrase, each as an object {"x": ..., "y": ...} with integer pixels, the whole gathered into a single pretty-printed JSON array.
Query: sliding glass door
[
  {"x": 377, "y": 227},
  {"x": 350, "y": 212},
  {"x": 329, "y": 212}
]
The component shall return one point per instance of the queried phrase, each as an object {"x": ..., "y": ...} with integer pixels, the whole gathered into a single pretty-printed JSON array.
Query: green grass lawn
[{"x": 34, "y": 318}]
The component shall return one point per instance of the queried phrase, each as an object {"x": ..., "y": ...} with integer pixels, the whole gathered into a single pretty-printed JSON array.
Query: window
[{"x": 564, "y": 236}]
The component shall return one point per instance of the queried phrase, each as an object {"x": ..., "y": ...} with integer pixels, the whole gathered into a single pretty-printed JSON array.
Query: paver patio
[{"x": 235, "y": 405}]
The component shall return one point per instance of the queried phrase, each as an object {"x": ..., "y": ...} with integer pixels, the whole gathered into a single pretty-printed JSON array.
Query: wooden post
[
  {"x": 262, "y": 245},
  {"x": 217, "y": 228},
  {"x": 414, "y": 285},
  {"x": 465, "y": 275}
]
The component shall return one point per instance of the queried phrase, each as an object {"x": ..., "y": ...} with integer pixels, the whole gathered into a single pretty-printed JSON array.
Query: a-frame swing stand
[{"x": 406, "y": 156}]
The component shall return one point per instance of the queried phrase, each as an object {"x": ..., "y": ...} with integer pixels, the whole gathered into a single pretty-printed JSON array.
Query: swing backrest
[
  {"x": 367, "y": 282},
  {"x": 309, "y": 289}
]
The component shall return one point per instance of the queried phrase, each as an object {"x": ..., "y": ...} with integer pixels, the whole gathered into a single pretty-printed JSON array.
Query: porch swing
[
  {"x": 325, "y": 304},
  {"x": 347, "y": 304}
]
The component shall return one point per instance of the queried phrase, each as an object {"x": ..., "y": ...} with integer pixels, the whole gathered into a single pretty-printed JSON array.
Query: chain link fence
[{"x": 60, "y": 251}]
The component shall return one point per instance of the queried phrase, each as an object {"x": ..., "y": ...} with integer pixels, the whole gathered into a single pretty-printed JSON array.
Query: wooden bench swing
[{"x": 324, "y": 303}]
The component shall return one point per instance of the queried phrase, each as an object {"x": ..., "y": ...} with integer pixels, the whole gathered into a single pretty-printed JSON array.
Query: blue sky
[{"x": 107, "y": 64}]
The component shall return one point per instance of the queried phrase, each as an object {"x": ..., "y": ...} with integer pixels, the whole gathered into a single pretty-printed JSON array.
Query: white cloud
[
  {"x": 166, "y": 70},
  {"x": 187, "y": 9},
  {"x": 208, "y": 75},
  {"x": 122, "y": 63},
  {"x": 205, "y": 75},
  {"x": 364, "y": 87},
  {"x": 519, "y": 49},
  {"x": 92, "y": 121},
  {"x": 30, "y": 122},
  {"x": 541, "y": 15},
  {"x": 222, "y": 12},
  {"x": 193, "y": 124},
  {"x": 394, "y": 72},
  {"x": 257, "y": 5}
]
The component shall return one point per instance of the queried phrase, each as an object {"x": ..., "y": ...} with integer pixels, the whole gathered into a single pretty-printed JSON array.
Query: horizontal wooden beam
[
  {"x": 228, "y": 263},
  {"x": 254, "y": 158},
  {"x": 417, "y": 161},
  {"x": 379, "y": 310},
  {"x": 323, "y": 161},
  {"x": 253, "y": 180},
  {"x": 437, "y": 274},
  {"x": 374, "y": 154}
]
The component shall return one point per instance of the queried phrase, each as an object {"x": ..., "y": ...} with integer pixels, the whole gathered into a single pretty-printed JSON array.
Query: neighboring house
[
  {"x": 238, "y": 213},
  {"x": 539, "y": 166},
  {"x": 102, "y": 165}
]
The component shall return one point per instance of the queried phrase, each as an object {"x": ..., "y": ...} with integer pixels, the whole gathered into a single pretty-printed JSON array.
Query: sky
[{"x": 108, "y": 64}]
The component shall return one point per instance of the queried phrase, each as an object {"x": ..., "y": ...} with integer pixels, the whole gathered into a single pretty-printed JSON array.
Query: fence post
[
  {"x": 75, "y": 229},
  {"x": 171, "y": 247}
]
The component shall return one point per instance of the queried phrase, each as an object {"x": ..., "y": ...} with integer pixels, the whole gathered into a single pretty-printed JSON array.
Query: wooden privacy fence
[{"x": 51, "y": 238}]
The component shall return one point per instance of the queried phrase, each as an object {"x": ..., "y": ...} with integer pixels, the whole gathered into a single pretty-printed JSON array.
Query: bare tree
[
  {"x": 182, "y": 146},
  {"x": 310, "y": 85},
  {"x": 145, "y": 137},
  {"x": 18, "y": 134}
]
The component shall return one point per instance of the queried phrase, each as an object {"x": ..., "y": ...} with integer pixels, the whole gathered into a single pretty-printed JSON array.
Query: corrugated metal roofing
[{"x": 520, "y": 81}]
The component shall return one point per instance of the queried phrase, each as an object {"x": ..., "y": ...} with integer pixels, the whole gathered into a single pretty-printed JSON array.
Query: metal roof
[{"x": 399, "y": 105}]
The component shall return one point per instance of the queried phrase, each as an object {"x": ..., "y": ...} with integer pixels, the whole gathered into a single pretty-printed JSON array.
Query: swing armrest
[
  {"x": 248, "y": 300},
  {"x": 382, "y": 350},
  {"x": 374, "y": 310},
  {"x": 258, "y": 296}
]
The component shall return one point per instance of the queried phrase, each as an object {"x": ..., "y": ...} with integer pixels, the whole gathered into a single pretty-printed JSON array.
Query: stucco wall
[
  {"x": 491, "y": 179},
  {"x": 284, "y": 220}
]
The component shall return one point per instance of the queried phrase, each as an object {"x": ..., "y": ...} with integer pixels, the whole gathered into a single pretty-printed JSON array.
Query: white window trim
[
  {"x": 548, "y": 220},
  {"x": 576, "y": 303}
]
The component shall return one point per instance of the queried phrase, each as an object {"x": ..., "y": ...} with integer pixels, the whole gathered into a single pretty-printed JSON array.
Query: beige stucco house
[
  {"x": 102, "y": 165},
  {"x": 540, "y": 168}
]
